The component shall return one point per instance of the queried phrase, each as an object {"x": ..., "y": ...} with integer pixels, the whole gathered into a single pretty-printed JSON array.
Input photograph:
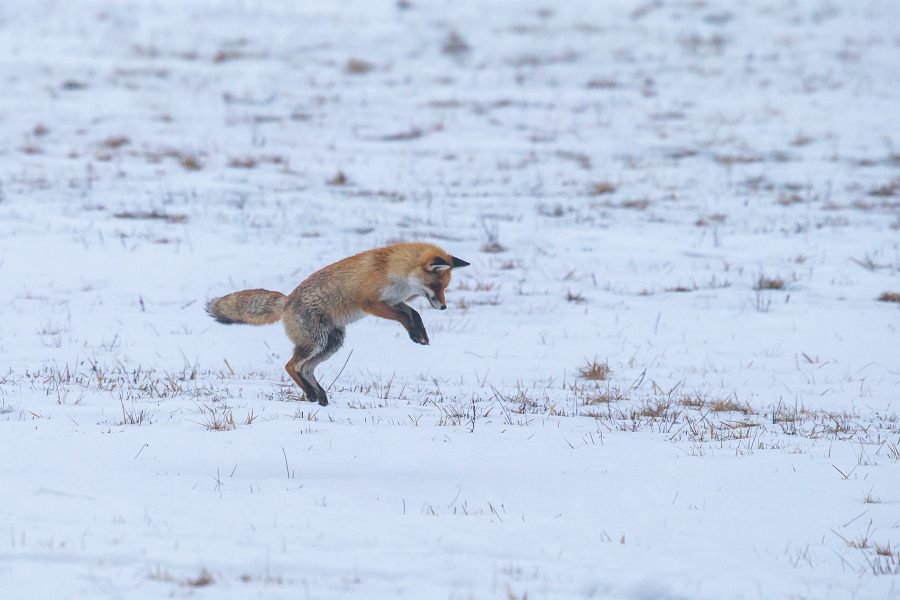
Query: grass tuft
[
  {"x": 601, "y": 188},
  {"x": 189, "y": 162},
  {"x": 887, "y": 190},
  {"x": 455, "y": 45},
  {"x": 116, "y": 141},
  {"x": 729, "y": 405},
  {"x": 339, "y": 179},
  {"x": 244, "y": 162},
  {"x": 870, "y": 499},
  {"x": 575, "y": 298},
  {"x": 769, "y": 283},
  {"x": 356, "y": 66},
  {"x": 203, "y": 579},
  {"x": 594, "y": 370}
]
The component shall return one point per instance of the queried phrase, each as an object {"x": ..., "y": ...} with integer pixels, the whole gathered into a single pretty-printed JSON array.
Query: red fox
[{"x": 377, "y": 282}]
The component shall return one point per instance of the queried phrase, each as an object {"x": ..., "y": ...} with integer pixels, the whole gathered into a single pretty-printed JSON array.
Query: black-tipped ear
[
  {"x": 458, "y": 263},
  {"x": 438, "y": 264}
]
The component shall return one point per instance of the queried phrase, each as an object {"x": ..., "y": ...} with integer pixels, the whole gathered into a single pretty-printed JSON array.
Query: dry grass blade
[
  {"x": 151, "y": 215},
  {"x": 413, "y": 134}
]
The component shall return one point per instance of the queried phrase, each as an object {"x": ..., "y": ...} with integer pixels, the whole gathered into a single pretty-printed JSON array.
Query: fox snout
[{"x": 436, "y": 299}]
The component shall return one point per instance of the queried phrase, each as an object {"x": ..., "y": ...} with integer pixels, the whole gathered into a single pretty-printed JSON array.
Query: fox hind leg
[
  {"x": 333, "y": 342},
  {"x": 301, "y": 355},
  {"x": 306, "y": 359}
]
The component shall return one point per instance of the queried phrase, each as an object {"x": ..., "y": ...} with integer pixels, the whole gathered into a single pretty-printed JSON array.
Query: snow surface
[{"x": 630, "y": 181}]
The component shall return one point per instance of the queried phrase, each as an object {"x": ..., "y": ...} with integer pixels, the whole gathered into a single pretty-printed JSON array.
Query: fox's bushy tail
[{"x": 254, "y": 307}]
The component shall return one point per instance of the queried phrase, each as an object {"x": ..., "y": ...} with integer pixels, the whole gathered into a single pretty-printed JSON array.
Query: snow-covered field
[{"x": 667, "y": 373}]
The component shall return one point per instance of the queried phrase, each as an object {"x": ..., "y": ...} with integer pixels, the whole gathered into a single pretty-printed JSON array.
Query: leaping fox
[{"x": 377, "y": 282}]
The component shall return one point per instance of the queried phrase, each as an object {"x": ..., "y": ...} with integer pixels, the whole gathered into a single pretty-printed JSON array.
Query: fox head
[{"x": 436, "y": 277}]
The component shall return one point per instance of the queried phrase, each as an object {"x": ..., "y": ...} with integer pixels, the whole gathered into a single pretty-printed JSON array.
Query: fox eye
[{"x": 438, "y": 264}]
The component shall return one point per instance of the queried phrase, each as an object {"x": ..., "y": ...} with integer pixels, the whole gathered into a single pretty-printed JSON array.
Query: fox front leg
[
  {"x": 403, "y": 314},
  {"x": 416, "y": 331}
]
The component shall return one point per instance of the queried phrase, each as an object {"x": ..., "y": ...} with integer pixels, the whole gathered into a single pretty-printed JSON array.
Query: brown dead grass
[
  {"x": 203, "y": 579},
  {"x": 601, "y": 188},
  {"x": 887, "y": 190},
  {"x": 188, "y": 160},
  {"x": 594, "y": 370},
  {"x": 244, "y": 162},
  {"x": 356, "y": 66},
  {"x": 636, "y": 204},
  {"x": 654, "y": 409},
  {"x": 339, "y": 179},
  {"x": 789, "y": 199},
  {"x": 455, "y": 45},
  {"x": 729, "y": 405},
  {"x": 575, "y": 298},
  {"x": 152, "y": 215},
  {"x": 769, "y": 283},
  {"x": 116, "y": 141}
]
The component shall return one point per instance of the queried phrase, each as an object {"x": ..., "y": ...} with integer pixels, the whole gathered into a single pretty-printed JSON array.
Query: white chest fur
[{"x": 400, "y": 289}]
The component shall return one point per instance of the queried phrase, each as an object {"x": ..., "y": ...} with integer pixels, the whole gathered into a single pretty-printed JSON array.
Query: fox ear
[
  {"x": 438, "y": 264},
  {"x": 458, "y": 263}
]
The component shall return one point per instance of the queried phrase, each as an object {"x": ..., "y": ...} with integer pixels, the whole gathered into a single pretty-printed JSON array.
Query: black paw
[
  {"x": 419, "y": 336},
  {"x": 317, "y": 396},
  {"x": 322, "y": 397}
]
